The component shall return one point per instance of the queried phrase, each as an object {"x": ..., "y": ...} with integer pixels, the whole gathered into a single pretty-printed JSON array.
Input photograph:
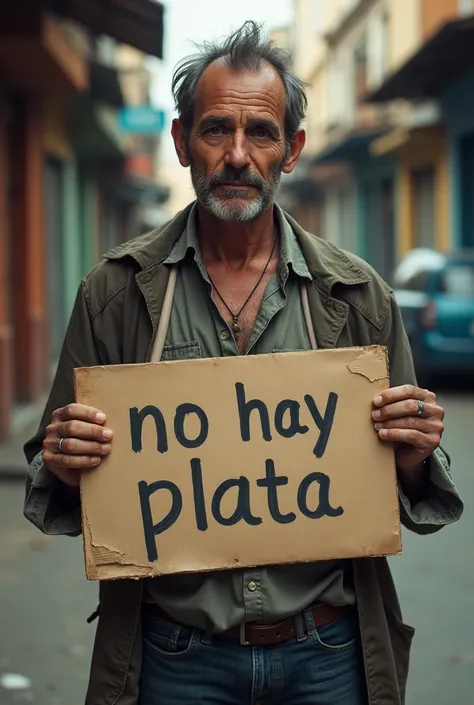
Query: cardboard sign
[{"x": 238, "y": 461}]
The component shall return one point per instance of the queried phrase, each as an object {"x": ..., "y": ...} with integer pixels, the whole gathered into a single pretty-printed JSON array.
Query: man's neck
[{"x": 235, "y": 243}]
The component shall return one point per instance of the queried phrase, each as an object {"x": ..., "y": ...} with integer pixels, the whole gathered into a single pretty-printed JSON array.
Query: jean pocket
[
  {"x": 336, "y": 637},
  {"x": 168, "y": 639},
  {"x": 182, "y": 351}
]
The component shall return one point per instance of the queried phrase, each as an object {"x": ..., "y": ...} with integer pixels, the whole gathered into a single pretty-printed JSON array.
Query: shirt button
[
  {"x": 251, "y": 585},
  {"x": 225, "y": 335}
]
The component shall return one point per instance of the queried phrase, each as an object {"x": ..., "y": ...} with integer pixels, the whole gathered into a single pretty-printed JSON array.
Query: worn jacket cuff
[
  {"x": 441, "y": 503},
  {"x": 50, "y": 504}
]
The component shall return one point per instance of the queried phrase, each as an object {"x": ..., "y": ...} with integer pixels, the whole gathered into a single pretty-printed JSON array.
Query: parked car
[{"x": 435, "y": 293}]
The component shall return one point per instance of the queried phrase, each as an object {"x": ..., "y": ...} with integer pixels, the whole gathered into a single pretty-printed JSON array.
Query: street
[{"x": 45, "y": 598}]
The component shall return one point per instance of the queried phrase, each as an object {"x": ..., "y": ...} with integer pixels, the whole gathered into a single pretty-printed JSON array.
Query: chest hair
[{"x": 235, "y": 289}]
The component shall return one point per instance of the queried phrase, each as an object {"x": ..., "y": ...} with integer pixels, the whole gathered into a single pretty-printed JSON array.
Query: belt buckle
[{"x": 242, "y": 638}]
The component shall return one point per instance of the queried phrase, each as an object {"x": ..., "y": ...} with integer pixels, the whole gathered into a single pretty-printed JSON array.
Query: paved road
[
  {"x": 44, "y": 602},
  {"x": 44, "y": 597},
  {"x": 435, "y": 579}
]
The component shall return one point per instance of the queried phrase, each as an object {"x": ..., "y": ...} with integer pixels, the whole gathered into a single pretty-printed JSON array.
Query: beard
[{"x": 239, "y": 209}]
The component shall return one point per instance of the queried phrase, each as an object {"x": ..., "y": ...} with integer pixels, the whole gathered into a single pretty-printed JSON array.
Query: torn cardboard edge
[
  {"x": 117, "y": 569},
  {"x": 363, "y": 364}
]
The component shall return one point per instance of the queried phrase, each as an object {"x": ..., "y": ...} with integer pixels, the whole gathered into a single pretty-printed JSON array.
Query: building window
[
  {"x": 335, "y": 91},
  {"x": 384, "y": 34},
  {"x": 378, "y": 47},
  {"x": 347, "y": 5},
  {"x": 106, "y": 50},
  {"x": 360, "y": 71},
  {"x": 465, "y": 7},
  {"x": 56, "y": 284},
  {"x": 315, "y": 17},
  {"x": 424, "y": 217}
]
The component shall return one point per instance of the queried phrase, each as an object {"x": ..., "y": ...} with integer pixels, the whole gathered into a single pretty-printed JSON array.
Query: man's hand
[
  {"x": 410, "y": 418},
  {"x": 75, "y": 440}
]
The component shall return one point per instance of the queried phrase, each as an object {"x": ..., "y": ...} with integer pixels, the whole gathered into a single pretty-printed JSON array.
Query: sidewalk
[{"x": 12, "y": 459}]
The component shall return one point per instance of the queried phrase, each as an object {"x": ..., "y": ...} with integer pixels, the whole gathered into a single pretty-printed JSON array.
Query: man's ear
[
  {"x": 296, "y": 146},
  {"x": 180, "y": 145}
]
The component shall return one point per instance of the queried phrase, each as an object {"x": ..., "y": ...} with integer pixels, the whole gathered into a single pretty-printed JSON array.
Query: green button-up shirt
[{"x": 219, "y": 600}]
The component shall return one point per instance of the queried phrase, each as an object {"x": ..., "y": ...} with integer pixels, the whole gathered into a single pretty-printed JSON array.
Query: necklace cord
[{"x": 235, "y": 316}]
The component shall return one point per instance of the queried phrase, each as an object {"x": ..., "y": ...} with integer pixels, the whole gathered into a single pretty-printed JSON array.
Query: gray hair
[{"x": 245, "y": 49}]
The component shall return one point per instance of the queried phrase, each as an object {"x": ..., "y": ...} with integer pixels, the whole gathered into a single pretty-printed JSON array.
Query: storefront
[
  {"x": 40, "y": 218},
  {"x": 376, "y": 189},
  {"x": 422, "y": 184},
  {"x": 458, "y": 109},
  {"x": 359, "y": 208},
  {"x": 442, "y": 71}
]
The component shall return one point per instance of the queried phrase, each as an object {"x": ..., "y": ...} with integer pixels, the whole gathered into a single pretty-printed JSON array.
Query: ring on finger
[
  {"x": 421, "y": 408},
  {"x": 60, "y": 444}
]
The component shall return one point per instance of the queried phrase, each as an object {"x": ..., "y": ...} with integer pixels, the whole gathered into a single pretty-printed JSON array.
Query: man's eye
[
  {"x": 260, "y": 132},
  {"x": 215, "y": 130}
]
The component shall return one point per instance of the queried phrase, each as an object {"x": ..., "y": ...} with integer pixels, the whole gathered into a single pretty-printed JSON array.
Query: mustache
[{"x": 242, "y": 177}]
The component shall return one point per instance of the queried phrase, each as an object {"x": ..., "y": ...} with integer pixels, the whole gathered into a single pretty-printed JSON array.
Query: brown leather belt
[{"x": 252, "y": 634}]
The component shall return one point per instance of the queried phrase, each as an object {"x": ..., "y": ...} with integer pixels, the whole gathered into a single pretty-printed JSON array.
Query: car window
[
  {"x": 417, "y": 281},
  {"x": 458, "y": 280},
  {"x": 414, "y": 271}
]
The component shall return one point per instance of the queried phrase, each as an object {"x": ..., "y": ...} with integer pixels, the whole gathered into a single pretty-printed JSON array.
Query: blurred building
[
  {"x": 439, "y": 77},
  {"x": 389, "y": 161},
  {"x": 142, "y": 187},
  {"x": 75, "y": 177}
]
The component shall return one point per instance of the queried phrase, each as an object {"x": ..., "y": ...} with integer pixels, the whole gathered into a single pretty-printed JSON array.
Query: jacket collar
[
  {"x": 328, "y": 265},
  {"x": 153, "y": 247},
  {"x": 290, "y": 255}
]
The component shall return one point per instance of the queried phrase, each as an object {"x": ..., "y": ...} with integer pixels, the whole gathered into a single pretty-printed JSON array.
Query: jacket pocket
[
  {"x": 182, "y": 351},
  {"x": 401, "y": 636}
]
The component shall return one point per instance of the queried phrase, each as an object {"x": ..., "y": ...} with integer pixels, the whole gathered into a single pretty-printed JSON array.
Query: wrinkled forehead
[{"x": 224, "y": 91}]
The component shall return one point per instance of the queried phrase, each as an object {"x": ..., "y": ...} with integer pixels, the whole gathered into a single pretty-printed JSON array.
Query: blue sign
[{"x": 141, "y": 119}]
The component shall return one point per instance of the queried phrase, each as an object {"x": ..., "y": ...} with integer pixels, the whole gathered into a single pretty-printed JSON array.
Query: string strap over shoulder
[{"x": 163, "y": 325}]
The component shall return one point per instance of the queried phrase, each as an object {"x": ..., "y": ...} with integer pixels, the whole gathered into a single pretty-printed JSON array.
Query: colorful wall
[{"x": 423, "y": 148}]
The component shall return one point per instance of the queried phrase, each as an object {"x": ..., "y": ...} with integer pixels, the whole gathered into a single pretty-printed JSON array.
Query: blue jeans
[{"x": 318, "y": 667}]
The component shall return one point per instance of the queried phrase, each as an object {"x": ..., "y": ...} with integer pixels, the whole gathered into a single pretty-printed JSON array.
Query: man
[{"x": 331, "y": 632}]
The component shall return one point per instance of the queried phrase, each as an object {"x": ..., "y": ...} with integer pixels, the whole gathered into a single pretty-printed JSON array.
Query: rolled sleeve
[
  {"x": 51, "y": 506},
  {"x": 441, "y": 503}
]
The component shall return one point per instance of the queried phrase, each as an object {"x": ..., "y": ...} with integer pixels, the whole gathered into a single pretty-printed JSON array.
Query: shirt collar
[
  {"x": 188, "y": 241},
  {"x": 291, "y": 254}
]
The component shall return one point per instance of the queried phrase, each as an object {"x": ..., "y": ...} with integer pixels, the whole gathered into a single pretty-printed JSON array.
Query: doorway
[
  {"x": 467, "y": 190},
  {"x": 55, "y": 254}
]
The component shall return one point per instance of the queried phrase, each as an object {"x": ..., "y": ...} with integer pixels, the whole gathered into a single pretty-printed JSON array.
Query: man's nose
[{"x": 237, "y": 154}]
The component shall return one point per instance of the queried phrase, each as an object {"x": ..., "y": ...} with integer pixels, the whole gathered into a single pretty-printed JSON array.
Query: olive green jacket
[{"x": 114, "y": 321}]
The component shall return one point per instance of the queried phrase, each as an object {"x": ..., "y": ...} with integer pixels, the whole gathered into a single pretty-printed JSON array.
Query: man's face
[{"x": 237, "y": 145}]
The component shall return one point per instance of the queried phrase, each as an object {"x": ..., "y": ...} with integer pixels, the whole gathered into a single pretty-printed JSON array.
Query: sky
[{"x": 197, "y": 20}]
